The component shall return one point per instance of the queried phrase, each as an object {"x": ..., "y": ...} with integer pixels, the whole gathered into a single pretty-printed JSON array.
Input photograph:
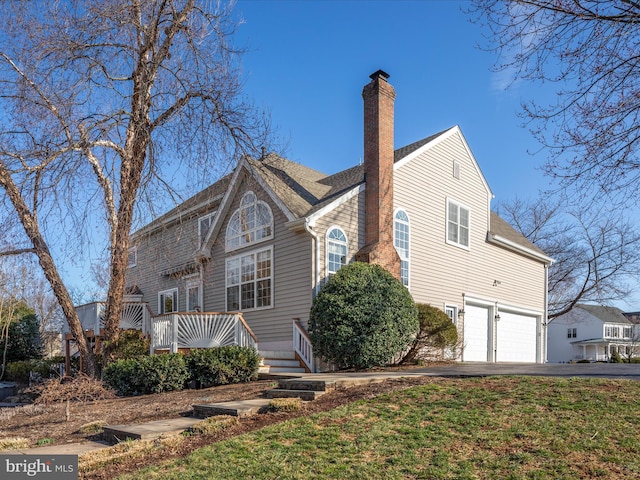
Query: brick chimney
[{"x": 379, "y": 97}]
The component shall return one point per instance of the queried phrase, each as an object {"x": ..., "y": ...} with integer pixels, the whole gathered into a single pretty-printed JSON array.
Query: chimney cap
[{"x": 379, "y": 73}]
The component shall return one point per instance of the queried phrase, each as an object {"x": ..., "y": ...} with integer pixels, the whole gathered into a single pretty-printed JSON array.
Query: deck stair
[{"x": 275, "y": 362}]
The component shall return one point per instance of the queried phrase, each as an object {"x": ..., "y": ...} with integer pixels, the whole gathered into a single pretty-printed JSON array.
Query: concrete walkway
[{"x": 331, "y": 380}]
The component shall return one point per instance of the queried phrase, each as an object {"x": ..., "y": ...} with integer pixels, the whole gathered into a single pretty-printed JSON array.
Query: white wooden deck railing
[
  {"x": 135, "y": 315},
  {"x": 200, "y": 330},
  {"x": 302, "y": 345}
]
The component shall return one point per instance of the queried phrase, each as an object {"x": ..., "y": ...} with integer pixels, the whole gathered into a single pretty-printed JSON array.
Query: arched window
[
  {"x": 401, "y": 238},
  {"x": 250, "y": 223},
  {"x": 336, "y": 250}
]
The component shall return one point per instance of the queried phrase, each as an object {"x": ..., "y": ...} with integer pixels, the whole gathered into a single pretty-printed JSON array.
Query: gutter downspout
[
  {"x": 316, "y": 260},
  {"x": 543, "y": 353}
]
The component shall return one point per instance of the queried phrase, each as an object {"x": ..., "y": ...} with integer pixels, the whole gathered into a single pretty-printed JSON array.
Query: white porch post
[{"x": 174, "y": 333}]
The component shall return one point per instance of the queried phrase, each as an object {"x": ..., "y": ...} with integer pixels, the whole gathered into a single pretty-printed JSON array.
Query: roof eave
[{"x": 510, "y": 245}]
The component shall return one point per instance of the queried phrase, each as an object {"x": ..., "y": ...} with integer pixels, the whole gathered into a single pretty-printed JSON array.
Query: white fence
[{"x": 200, "y": 330}]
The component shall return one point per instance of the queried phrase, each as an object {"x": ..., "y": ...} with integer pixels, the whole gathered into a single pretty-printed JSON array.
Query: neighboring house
[
  {"x": 590, "y": 332},
  {"x": 263, "y": 239}
]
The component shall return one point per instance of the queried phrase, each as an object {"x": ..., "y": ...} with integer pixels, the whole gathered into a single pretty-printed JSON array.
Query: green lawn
[{"x": 498, "y": 428}]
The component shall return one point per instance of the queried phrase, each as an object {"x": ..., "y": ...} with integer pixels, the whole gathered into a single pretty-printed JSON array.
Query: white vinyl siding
[{"x": 446, "y": 273}]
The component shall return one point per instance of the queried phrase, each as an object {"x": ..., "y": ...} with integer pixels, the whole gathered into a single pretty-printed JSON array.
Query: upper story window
[
  {"x": 204, "y": 224},
  {"x": 401, "y": 237},
  {"x": 249, "y": 281},
  {"x": 627, "y": 332},
  {"x": 458, "y": 224},
  {"x": 132, "y": 259},
  {"x": 336, "y": 250},
  {"x": 572, "y": 332},
  {"x": 168, "y": 301},
  {"x": 611, "y": 331},
  {"x": 251, "y": 222}
]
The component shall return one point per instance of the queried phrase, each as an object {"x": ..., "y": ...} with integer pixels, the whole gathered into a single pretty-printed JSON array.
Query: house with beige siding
[{"x": 263, "y": 240}]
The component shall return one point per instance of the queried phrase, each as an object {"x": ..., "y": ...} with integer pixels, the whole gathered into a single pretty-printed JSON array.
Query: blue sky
[{"x": 308, "y": 61}]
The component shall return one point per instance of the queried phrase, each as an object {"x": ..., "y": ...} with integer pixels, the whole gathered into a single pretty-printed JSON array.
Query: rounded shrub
[
  {"x": 219, "y": 366},
  {"x": 150, "y": 374},
  {"x": 437, "y": 333},
  {"x": 362, "y": 317}
]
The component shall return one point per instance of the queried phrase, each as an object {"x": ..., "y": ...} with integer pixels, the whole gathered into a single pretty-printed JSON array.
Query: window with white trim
[
  {"x": 194, "y": 294},
  {"x": 250, "y": 223},
  {"x": 337, "y": 250},
  {"x": 168, "y": 301},
  {"x": 627, "y": 332},
  {"x": 611, "y": 332},
  {"x": 572, "y": 332},
  {"x": 204, "y": 224},
  {"x": 458, "y": 224},
  {"x": 132, "y": 258},
  {"x": 401, "y": 240},
  {"x": 452, "y": 313},
  {"x": 249, "y": 280}
]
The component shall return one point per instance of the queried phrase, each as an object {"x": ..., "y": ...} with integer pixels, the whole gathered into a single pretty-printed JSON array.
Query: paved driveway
[{"x": 596, "y": 370}]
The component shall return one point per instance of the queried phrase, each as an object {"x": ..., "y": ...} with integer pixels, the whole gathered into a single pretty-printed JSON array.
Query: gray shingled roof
[
  {"x": 500, "y": 227},
  {"x": 606, "y": 314},
  {"x": 304, "y": 190}
]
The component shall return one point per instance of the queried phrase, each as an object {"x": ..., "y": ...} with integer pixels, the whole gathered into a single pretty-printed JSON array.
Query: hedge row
[
  {"x": 45, "y": 368},
  {"x": 163, "y": 373}
]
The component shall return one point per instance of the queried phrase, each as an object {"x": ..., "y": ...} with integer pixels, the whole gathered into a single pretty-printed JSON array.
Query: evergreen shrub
[
  {"x": 223, "y": 365},
  {"x": 437, "y": 333},
  {"x": 363, "y": 317},
  {"x": 150, "y": 374}
]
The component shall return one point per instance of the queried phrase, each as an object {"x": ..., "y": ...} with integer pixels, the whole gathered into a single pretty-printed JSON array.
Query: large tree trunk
[{"x": 49, "y": 268}]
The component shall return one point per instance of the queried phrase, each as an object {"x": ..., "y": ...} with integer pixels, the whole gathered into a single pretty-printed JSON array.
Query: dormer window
[{"x": 252, "y": 222}]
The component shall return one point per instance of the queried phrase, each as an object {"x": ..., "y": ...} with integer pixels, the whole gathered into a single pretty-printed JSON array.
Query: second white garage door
[{"x": 516, "y": 338}]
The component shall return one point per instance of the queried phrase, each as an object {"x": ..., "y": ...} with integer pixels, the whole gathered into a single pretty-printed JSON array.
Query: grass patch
[
  {"x": 292, "y": 404},
  {"x": 92, "y": 428},
  {"x": 491, "y": 428},
  {"x": 212, "y": 425},
  {"x": 13, "y": 443},
  {"x": 45, "y": 441}
]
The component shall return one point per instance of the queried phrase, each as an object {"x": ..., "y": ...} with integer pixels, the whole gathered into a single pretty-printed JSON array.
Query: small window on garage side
[{"x": 452, "y": 313}]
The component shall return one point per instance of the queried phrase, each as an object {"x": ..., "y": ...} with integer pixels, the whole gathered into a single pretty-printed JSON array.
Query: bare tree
[
  {"x": 103, "y": 100},
  {"x": 587, "y": 50},
  {"x": 595, "y": 250}
]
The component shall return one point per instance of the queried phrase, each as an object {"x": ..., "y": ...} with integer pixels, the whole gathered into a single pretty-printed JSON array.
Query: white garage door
[
  {"x": 516, "y": 338},
  {"x": 476, "y": 333}
]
